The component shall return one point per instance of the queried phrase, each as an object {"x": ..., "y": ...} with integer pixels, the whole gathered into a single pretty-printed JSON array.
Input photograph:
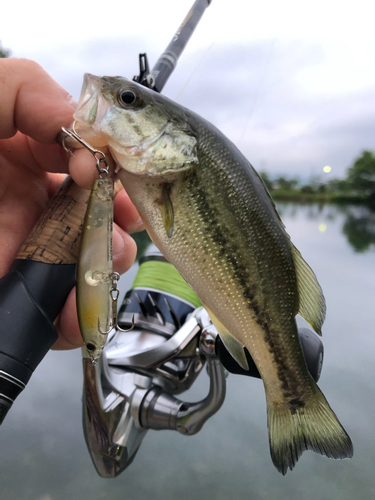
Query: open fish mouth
[
  {"x": 90, "y": 109},
  {"x": 87, "y": 108}
]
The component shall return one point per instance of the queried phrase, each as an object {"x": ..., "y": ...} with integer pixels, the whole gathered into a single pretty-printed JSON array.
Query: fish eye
[{"x": 129, "y": 98}]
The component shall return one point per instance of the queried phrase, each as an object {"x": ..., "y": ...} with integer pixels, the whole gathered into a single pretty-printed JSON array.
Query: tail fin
[{"x": 313, "y": 426}]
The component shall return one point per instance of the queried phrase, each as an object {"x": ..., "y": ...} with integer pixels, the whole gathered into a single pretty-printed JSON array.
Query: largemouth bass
[{"x": 209, "y": 213}]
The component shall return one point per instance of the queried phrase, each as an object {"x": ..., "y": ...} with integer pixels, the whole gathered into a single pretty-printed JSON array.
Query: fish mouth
[
  {"x": 87, "y": 108},
  {"x": 86, "y": 115}
]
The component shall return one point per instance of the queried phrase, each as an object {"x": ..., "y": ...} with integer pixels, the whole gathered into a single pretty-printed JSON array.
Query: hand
[{"x": 33, "y": 108}]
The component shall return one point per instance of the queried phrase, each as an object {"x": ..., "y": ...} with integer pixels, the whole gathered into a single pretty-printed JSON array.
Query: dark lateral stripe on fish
[
  {"x": 293, "y": 390},
  {"x": 228, "y": 250},
  {"x": 224, "y": 245}
]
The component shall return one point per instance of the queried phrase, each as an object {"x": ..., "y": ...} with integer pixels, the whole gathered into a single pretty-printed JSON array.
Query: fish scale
[
  {"x": 245, "y": 270},
  {"x": 197, "y": 237},
  {"x": 210, "y": 214}
]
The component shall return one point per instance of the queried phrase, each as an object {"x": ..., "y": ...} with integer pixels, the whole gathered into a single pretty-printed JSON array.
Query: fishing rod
[{"x": 35, "y": 289}]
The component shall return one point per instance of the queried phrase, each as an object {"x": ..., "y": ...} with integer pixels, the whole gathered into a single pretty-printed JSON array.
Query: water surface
[{"x": 44, "y": 455}]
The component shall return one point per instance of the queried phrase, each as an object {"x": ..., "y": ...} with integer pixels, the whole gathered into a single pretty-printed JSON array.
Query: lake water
[{"x": 43, "y": 452}]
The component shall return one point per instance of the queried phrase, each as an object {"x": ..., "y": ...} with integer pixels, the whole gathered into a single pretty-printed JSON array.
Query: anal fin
[{"x": 232, "y": 345}]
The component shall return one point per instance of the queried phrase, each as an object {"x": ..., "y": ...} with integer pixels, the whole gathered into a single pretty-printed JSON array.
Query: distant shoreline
[
  {"x": 327, "y": 197},
  {"x": 358, "y": 188}
]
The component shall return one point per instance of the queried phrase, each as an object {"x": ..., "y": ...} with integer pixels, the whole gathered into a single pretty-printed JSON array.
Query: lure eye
[
  {"x": 90, "y": 347},
  {"x": 130, "y": 98}
]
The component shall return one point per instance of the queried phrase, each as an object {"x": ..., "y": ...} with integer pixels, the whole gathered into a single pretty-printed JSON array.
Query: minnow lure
[
  {"x": 97, "y": 291},
  {"x": 95, "y": 269}
]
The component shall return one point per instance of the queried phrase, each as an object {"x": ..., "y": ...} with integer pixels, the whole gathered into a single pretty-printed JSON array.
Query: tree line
[{"x": 358, "y": 185}]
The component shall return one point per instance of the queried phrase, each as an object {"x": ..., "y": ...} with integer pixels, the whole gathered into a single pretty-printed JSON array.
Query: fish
[
  {"x": 210, "y": 214},
  {"x": 95, "y": 269}
]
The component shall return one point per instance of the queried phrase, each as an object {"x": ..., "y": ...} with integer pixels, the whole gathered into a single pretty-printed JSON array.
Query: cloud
[
  {"x": 260, "y": 98},
  {"x": 260, "y": 95}
]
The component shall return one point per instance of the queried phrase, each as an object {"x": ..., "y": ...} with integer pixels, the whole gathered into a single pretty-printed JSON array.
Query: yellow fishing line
[{"x": 165, "y": 277}]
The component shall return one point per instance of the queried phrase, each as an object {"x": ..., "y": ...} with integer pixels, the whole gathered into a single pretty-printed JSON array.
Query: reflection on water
[
  {"x": 359, "y": 228},
  {"x": 358, "y": 222},
  {"x": 43, "y": 453}
]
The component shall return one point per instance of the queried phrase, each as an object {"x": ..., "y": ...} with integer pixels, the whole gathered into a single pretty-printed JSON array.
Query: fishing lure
[{"x": 97, "y": 291}]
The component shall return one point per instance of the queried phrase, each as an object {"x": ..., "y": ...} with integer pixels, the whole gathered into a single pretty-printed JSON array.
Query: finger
[
  {"x": 51, "y": 157},
  {"x": 124, "y": 250},
  {"x": 33, "y": 155},
  {"x": 82, "y": 167},
  {"x": 54, "y": 182},
  {"x": 67, "y": 326},
  {"x": 125, "y": 213},
  {"x": 83, "y": 170},
  {"x": 32, "y": 101}
]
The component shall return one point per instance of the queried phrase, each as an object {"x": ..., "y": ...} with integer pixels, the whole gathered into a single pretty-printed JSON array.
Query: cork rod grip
[{"x": 55, "y": 237}]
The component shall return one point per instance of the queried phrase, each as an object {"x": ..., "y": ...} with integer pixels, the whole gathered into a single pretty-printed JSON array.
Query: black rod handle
[{"x": 34, "y": 290}]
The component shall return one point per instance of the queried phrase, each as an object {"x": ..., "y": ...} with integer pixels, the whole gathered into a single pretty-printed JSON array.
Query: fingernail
[
  {"x": 72, "y": 101},
  {"x": 118, "y": 243}
]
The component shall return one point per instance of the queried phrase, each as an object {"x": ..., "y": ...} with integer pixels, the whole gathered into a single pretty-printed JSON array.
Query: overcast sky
[{"x": 291, "y": 83}]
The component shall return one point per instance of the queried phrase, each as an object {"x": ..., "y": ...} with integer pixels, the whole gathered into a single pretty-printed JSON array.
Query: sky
[{"x": 291, "y": 83}]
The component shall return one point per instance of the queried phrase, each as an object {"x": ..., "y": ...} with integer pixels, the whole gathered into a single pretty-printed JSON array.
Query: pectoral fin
[
  {"x": 232, "y": 345},
  {"x": 166, "y": 208},
  {"x": 312, "y": 305}
]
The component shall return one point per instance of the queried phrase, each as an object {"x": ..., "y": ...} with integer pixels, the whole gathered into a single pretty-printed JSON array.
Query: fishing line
[
  {"x": 260, "y": 86},
  {"x": 164, "y": 277},
  {"x": 195, "y": 70}
]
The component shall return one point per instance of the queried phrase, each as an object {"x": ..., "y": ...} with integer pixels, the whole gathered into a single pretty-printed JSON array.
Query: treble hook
[
  {"x": 114, "y": 293},
  {"x": 73, "y": 134}
]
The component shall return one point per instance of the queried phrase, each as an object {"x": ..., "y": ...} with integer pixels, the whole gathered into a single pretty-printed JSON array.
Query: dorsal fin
[{"x": 312, "y": 305}]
